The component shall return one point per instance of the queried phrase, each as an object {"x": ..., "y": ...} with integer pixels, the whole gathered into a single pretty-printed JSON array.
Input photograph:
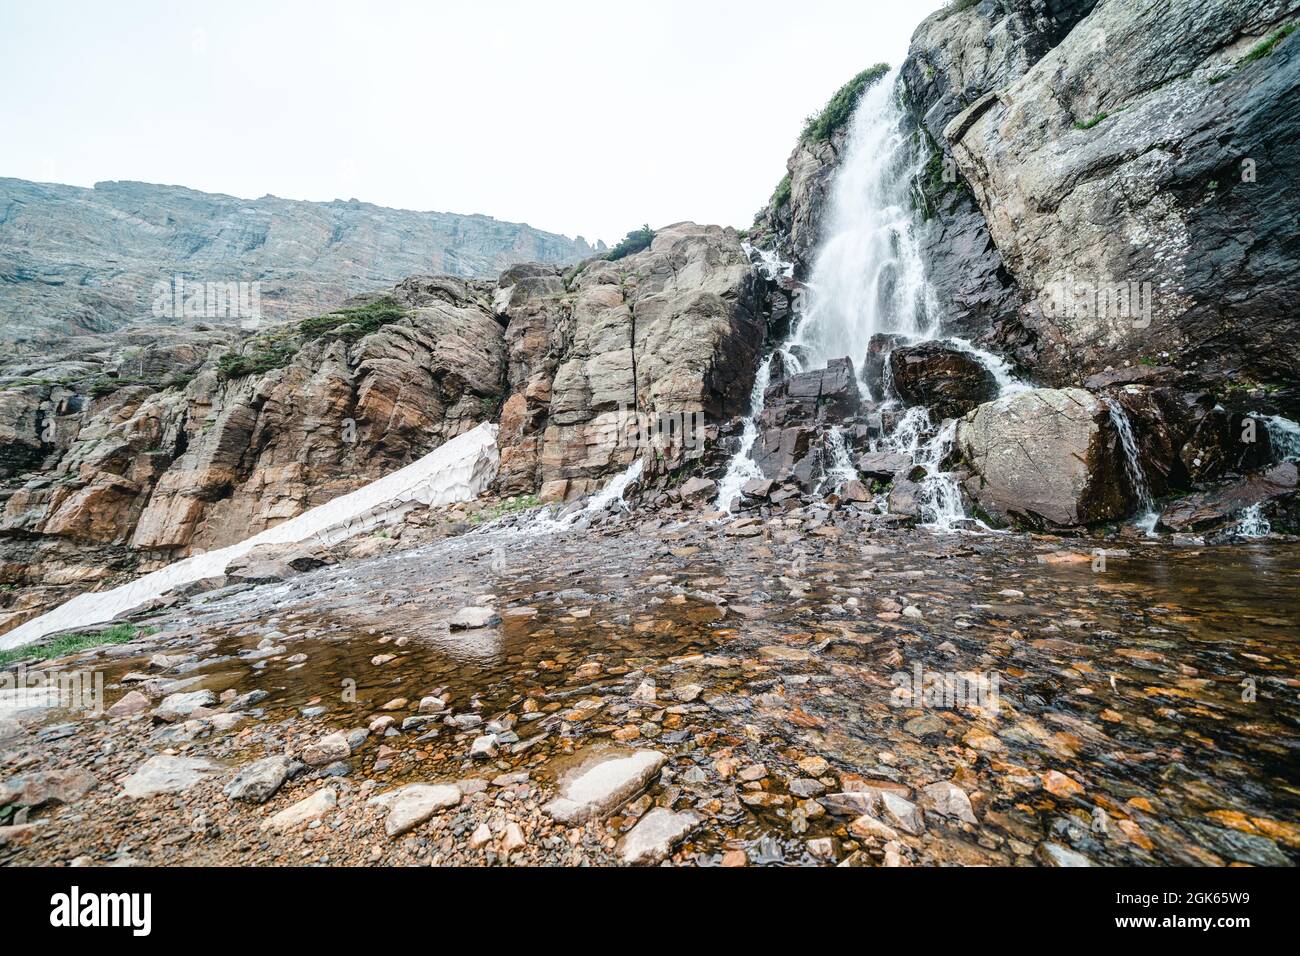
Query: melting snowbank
[{"x": 460, "y": 470}]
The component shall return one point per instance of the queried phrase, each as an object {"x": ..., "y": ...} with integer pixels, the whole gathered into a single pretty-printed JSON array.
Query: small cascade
[
  {"x": 839, "y": 469},
  {"x": 546, "y": 523},
  {"x": 942, "y": 508},
  {"x": 1253, "y": 524},
  {"x": 1133, "y": 464},
  {"x": 1008, "y": 384},
  {"x": 1284, "y": 435},
  {"x": 742, "y": 467}
]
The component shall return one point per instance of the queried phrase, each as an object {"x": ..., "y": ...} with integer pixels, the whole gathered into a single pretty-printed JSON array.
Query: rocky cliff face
[
  {"x": 1132, "y": 168},
  {"x": 676, "y": 330},
  {"x": 75, "y": 259},
  {"x": 141, "y": 448}
]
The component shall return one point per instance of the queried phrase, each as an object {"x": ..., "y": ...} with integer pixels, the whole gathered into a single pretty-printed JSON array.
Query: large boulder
[
  {"x": 1045, "y": 458},
  {"x": 824, "y": 395},
  {"x": 949, "y": 381}
]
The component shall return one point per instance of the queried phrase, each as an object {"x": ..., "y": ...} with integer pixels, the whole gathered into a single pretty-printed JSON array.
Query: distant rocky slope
[
  {"x": 74, "y": 259},
  {"x": 147, "y": 446}
]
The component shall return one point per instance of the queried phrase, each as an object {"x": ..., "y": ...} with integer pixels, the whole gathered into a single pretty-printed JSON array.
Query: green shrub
[
  {"x": 1265, "y": 47},
  {"x": 262, "y": 356},
  {"x": 353, "y": 325},
  {"x": 781, "y": 195},
  {"x": 633, "y": 242},
  {"x": 839, "y": 110},
  {"x": 71, "y": 643}
]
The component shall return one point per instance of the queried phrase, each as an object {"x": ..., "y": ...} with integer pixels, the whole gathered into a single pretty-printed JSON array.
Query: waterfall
[
  {"x": 868, "y": 276},
  {"x": 544, "y": 522},
  {"x": 742, "y": 468},
  {"x": 1284, "y": 436},
  {"x": 1133, "y": 464},
  {"x": 840, "y": 468},
  {"x": 941, "y": 498},
  {"x": 1253, "y": 524}
]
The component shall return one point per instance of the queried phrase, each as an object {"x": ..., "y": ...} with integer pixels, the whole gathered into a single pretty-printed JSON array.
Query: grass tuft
[{"x": 72, "y": 643}]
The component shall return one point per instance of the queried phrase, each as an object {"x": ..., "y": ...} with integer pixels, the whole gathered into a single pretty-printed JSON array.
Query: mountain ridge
[{"x": 75, "y": 259}]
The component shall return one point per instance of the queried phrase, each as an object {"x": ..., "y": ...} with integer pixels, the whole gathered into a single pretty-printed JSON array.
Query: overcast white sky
[{"x": 577, "y": 116}]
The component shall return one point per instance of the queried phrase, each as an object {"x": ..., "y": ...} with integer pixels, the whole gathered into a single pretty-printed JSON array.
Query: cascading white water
[
  {"x": 1132, "y": 462},
  {"x": 544, "y": 521},
  {"x": 868, "y": 275},
  {"x": 1284, "y": 436},
  {"x": 742, "y": 468},
  {"x": 942, "y": 509},
  {"x": 840, "y": 467},
  {"x": 1008, "y": 384},
  {"x": 1253, "y": 524}
]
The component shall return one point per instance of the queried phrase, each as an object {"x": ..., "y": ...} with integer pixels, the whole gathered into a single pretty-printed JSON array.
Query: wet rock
[
  {"x": 1046, "y": 457},
  {"x": 877, "y": 358},
  {"x": 1053, "y": 854},
  {"x": 941, "y": 377},
  {"x": 883, "y": 466},
  {"x": 699, "y": 490},
  {"x": 327, "y": 750},
  {"x": 824, "y": 395},
  {"x": 473, "y": 618},
  {"x": 46, "y": 787},
  {"x": 948, "y": 800},
  {"x": 854, "y": 803},
  {"x": 484, "y": 748},
  {"x": 247, "y": 701},
  {"x": 902, "y": 813},
  {"x": 303, "y": 812},
  {"x": 130, "y": 704},
  {"x": 868, "y": 827},
  {"x": 259, "y": 781},
  {"x": 167, "y": 774},
  {"x": 757, "y": 488},
  {"x": 1277, "y": 491},
  {"x": 655, "y": 835},
  {"x": 412, "y": 805},
  {"x": 1215, "y": 447},
  {"x": 178, "y": 707},
  {"x": 603, "y": 782}
]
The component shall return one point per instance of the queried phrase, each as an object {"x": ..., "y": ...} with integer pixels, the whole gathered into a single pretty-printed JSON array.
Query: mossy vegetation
[
  {"x": 1268, "y": 44},
  {"x": 355, "y": 324},
  {"x": 507, "y": 507},
  {"x": 1089, "y": 124},
  {"x": 72, "y": 643},
  {"x": 837, "y": 113},
  {"x": 276, "y": 348},
  {"x": 781, "y": 195},
  {"x": 634, "y": 242}
]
